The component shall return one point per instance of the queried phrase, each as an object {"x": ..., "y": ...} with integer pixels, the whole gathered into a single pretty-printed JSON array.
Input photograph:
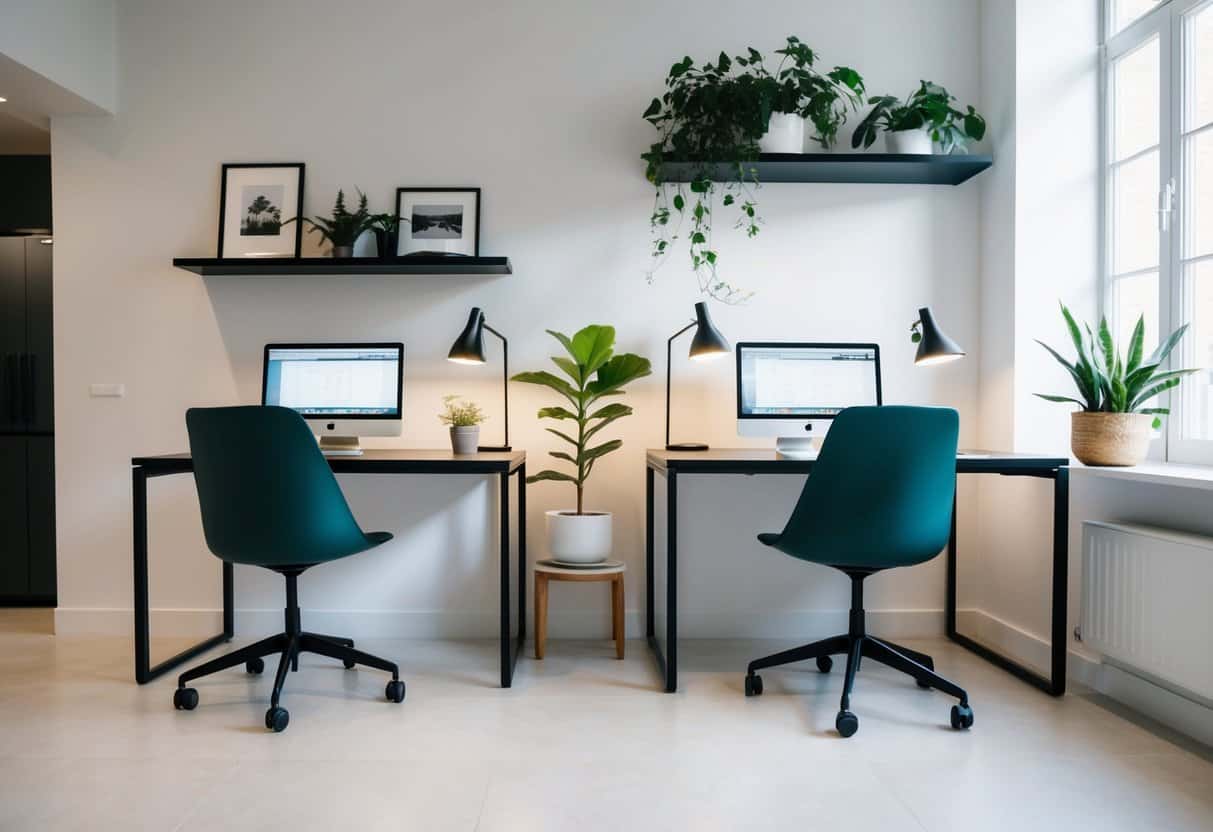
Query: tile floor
[{"x": 581, "y": 742}]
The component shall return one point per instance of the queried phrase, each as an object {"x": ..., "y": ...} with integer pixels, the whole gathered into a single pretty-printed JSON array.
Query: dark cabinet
[{"x": 27, "y": 444}]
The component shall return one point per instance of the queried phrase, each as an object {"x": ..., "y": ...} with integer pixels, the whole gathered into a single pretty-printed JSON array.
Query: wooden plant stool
[{"x": 546, "y": 570}]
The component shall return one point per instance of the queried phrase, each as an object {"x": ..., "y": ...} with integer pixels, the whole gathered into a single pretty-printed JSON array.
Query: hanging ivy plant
[{"x": 712, "y": 116}]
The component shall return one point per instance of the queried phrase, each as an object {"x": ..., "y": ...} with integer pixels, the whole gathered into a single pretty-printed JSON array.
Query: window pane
[
  {"x": 1125, "y": 12},
  {"x": 1135, "y": 101},
  {"x": 1196, "y": 350},
  {"x": 1135, "y": 214},
  {"x": 1136, "y": 297},
  {"x": 1198, "y": 46},
  {"x": 1198, "y": 199}
]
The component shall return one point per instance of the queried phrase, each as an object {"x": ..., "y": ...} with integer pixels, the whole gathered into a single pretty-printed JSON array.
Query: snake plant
[{"x": 1108, "y": 383}]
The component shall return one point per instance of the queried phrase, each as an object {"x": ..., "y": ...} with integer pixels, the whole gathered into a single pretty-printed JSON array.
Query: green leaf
[
  {"x": 1151, "y": 392},
  {"x": 1164, "y": 349},
  {"x": 557, "y": 476},
  {"x": 563, "y": 436},
  {"x": 592, "y": 347},
  {"x": 611, "y": 411},
  {"x": 1082, "y": 380},
  {"x": 602, "y": 450},
  {"x": 1051, "y": 398},
  {"x": 562, "y": 455},
  {"x": 556, "y": 413},
  {"x": 570, "y": 368},
  {"x": 546, "y": 379},
  {"x": 1105, "y": 341},
  {"x": 564, "y": 340},
  {"x": 1133, "y": 360},
  {"x": 619, "y": 371}
]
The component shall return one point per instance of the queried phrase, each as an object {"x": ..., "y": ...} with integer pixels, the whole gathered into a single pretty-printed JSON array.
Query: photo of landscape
[
  {"x": 437, "y": 222},
  {"x": 262, "y": 216}
]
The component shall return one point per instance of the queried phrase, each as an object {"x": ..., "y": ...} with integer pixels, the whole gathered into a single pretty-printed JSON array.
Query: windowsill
[{"x": 1158, "y": 473}]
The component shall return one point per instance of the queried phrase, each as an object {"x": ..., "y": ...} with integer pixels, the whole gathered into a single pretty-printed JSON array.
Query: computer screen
[
  {"x": 347, "y": 381},
  {"x": 798, "y": 381}
]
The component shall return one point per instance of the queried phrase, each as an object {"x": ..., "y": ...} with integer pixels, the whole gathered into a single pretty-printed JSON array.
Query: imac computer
[
  {"x": 793, "y": 391},
  {"x": 344, "y": 391}
]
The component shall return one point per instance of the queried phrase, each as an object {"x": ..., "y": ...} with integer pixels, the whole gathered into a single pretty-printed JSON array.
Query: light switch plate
[{"x": 107, "y": 390}]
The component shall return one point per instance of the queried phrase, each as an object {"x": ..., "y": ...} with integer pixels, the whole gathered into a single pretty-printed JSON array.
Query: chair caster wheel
[
  {"x": 753, "y": 684},
  {"x": 962, "y": 717},
  {"x": 846, "y": 723},
  {"x": 254, "y": 666},
  {"x": 394, "y": 691},
  {"x": 349, "y": 665},
  {"x": 277, "y": 718},
  {"x": 185, "y": 699},
  {"x": 825, "y": 664}
]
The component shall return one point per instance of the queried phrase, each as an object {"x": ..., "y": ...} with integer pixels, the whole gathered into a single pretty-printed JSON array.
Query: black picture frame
[
  {"x": 401, "y": 236},
  {"x": 223, "y": 183}
]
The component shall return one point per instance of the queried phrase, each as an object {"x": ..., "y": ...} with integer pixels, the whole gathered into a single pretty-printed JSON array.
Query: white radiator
[{"x": 1147, "y": 601}]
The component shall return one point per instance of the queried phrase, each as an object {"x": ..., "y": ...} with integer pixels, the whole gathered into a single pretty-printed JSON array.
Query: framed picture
[
  {"x": 438, "y": 221},
  {"x": 256, "y": 201}
]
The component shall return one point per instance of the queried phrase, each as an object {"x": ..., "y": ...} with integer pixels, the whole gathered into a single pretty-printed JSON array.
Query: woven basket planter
[{"x": 1110, "y": 438}]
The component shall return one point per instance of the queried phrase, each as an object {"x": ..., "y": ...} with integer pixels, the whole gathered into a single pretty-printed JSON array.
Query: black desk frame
[
  {"x": 719, "y": 462},
  {"x": 144, "y": 468}
]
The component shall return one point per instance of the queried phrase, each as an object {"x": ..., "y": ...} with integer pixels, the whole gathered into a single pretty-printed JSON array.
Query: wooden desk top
[
  {"x": 767, "y": 461},
  {"x": 377, "y": 460}
]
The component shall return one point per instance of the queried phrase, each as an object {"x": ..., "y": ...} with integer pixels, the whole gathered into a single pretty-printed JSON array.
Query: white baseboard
[
  {"x": 1022, "y": 646},
  {"x": 199, "y": 623}
]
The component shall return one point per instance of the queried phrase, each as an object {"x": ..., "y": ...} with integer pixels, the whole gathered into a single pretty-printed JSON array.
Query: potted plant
[
  {"x": 464, "y": 419},
  {"x": 594, "y": 373},
  {"x": 343, "y": 228},
  {"x": 797, "y": 93},
  {"x": 387, "y": 234},
  {"x": 719, "y": 116},
  {"x": 925, "y": 116},
  {"x": 1114, "y": 422}
]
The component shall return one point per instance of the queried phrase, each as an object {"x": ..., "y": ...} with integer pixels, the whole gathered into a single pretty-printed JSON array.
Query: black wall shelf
[
  {"x": 868, "y": 168},
  {"x": 351, "y": 266}
]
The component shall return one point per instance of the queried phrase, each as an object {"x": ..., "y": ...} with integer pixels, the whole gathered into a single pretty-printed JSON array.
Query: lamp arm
[
  {"x": 505, "y": 379},
  {"x": 669, "y": 349}
]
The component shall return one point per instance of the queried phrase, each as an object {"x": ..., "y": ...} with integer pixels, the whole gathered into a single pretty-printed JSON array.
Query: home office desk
[
  {"x": 372, "y": 461},
  {"x": 671, "y": 464}
]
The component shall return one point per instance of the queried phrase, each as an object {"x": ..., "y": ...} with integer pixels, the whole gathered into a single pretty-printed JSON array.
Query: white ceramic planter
[
  {"x": 579, "y": 538},
  {"x": 465, "y": 440},
  {"x": 909, "y": 141},
  {"x": 785, "y": 134}
]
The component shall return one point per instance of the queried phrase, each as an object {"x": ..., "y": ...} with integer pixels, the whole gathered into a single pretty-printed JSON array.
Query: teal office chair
[
  {"x": 880, "y": 496},
  {"x": 269, "y": 499}
]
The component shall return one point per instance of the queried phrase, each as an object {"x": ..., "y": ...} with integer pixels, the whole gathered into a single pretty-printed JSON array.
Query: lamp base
[
  {"x": 488, "y": 449},
  {"x": 687, "y": 446}
]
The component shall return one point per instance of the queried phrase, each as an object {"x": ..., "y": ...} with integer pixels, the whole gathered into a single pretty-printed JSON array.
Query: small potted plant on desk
[
  {"x": 595, "y": 372},
  {"x": 926, "y": 116},
  {"x": 344, "y": 227},
  {"x": 1114, "y": 422},
  {"x": 387, "y": 234},
  {"x": 464, "y": 419}
]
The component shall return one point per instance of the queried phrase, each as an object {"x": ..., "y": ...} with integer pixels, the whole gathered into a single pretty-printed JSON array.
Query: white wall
[{"x": 539, "y": 104}]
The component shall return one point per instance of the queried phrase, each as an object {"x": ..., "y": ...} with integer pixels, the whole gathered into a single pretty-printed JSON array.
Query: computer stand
[
  {"x": 797, "y": 447},
  {"x": 340, "y": 446}
]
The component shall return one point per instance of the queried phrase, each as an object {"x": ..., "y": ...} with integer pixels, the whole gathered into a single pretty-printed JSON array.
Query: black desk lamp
[
  {"x": 934, "y": 347},
  {"x": 707, "y": 343},
  {"x": 469, "y": 349}
]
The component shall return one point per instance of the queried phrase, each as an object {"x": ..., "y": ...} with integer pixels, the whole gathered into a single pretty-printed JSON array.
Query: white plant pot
[
  {"x": 465, "y": 440},
  {"x": 579, "y": 538},
  {"x": 785, "y": 134},
  {"x": 909, "y": 141}
]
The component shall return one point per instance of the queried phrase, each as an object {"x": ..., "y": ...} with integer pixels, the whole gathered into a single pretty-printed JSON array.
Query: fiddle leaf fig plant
[
  {"x": 594, "y": 372},
  {"x": 928, "y": 107},
  {"x": 712, "y": 116},
  {"x": 1108, "y": 383}
]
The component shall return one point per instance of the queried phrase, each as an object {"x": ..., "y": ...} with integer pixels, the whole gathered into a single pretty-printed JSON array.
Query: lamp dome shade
[
  {"x": 707, "y": 341},
  {"x": 469, "y": 346},
  {"x": 935, "y": 347}
]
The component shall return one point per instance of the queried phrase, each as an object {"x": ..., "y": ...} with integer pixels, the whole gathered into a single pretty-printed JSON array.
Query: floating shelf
[
  {"x": 868, "y": 168},
  {"x": 347, "y": 266}
]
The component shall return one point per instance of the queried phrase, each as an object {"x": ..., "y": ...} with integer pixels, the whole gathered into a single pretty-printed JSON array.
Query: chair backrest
[
  {"x": 880, "y": 493},
  {"x": 267, "y": 494}
]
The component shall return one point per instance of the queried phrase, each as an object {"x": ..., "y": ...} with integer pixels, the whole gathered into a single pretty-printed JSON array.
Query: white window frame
[{"x": 1165, "y": 21}]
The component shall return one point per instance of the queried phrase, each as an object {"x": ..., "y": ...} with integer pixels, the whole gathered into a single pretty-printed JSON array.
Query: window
[{"x": 1158, "y": 194}]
